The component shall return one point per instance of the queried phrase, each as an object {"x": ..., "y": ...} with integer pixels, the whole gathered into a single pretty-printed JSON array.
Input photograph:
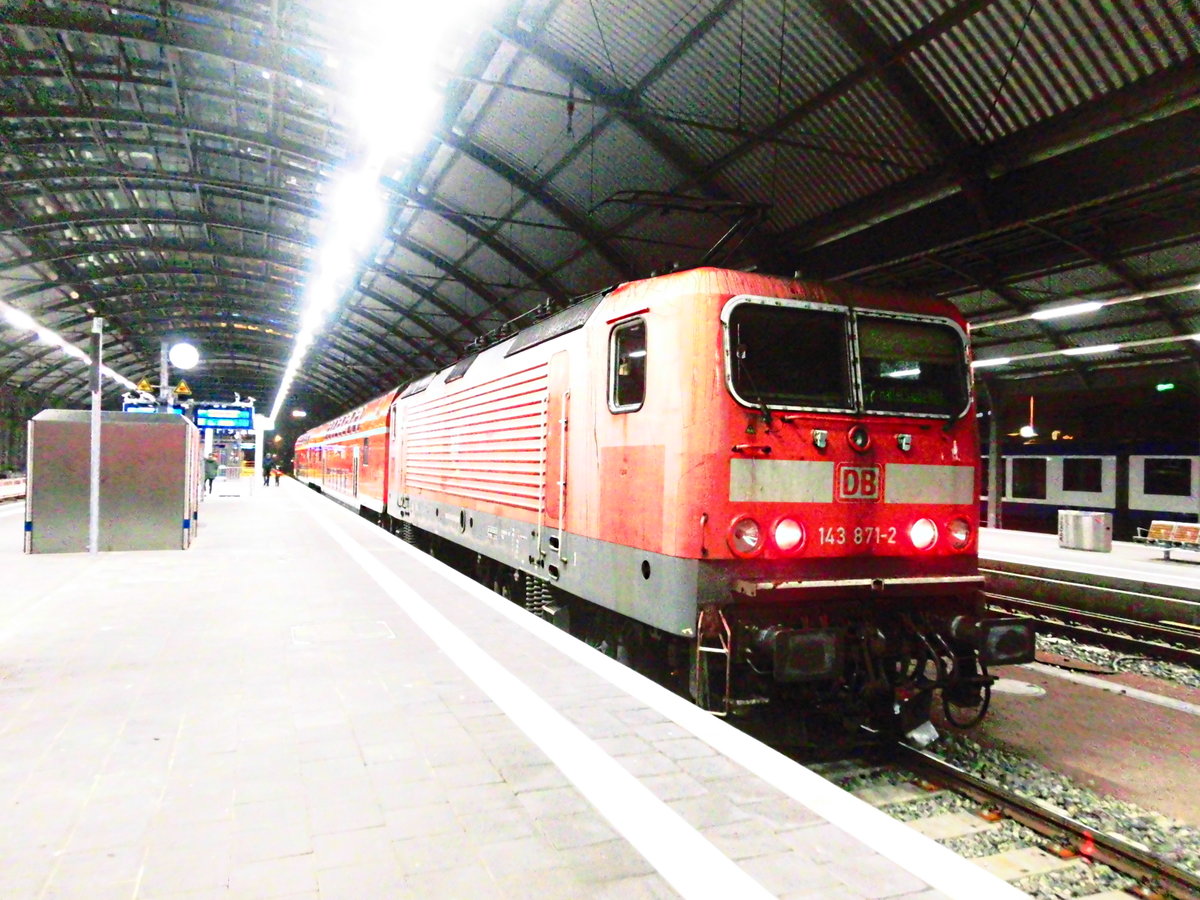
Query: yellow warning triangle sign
[
  {"x": 183, "y": 388},
  {"x": 145, "y": 385}
]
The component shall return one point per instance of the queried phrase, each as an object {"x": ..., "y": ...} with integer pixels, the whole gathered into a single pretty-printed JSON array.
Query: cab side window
[{"x": 627, "y": 367}]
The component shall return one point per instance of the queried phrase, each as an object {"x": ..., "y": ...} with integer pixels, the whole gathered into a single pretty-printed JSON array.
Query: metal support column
[{"x": 94, "y": 469}]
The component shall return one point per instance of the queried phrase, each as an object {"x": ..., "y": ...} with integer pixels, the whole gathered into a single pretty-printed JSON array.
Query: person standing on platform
[
  {"x": 212, "y": 468},
  {"x": 266, "y": 470},
  {"x": 277, "y": 471}
]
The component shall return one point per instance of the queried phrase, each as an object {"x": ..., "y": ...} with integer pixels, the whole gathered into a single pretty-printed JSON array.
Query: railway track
[
  {"x": 1170, "y": 641},
  {"x": 1039, "y": 849}
]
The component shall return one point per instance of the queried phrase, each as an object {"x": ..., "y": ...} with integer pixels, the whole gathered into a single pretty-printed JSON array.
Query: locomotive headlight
[
  {"x": 789, "y": 534},
  {"x": 745, "y": 537},
  {"x": 923, "y": 534},
  {"x": 960, "y": 533}
]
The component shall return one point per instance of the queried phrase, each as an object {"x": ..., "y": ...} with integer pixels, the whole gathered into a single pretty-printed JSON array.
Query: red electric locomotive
[{"x": 767, "y": 484}]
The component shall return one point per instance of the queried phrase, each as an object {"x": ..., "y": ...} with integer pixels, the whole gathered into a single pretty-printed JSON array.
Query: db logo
[{"x": 859, "y": 482}]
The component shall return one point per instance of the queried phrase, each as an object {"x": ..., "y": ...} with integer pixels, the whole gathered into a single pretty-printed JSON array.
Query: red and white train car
[
  {"x": 347, "y": 457},
  {"x": 766, "y": 483}
]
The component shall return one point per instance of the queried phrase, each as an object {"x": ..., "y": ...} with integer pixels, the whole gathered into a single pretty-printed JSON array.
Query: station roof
[{"x": 163, "y": 165}]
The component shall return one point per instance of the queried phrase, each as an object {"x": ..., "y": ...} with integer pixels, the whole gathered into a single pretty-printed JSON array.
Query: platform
[
  {"x": 303, "y": 706},
  {"x": 1132, "y": 580}
]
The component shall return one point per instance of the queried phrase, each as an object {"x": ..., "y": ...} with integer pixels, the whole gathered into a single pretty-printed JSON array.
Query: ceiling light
[
  {"x": 1099, "y": 348},
  {"x": 19, "y": 319},
  {"x": 988, "y": 363},
  {"x": 388, "y": 124},
  {"x": 183, "y": 355},
  {"x": 1059, "y": 312}
]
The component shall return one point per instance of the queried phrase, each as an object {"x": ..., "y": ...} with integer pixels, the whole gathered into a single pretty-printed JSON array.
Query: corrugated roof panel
[
  {"x": 587, "y": 273},
  {"x": 894, "y": 20},
  {"x": 865, "y": 130},
  {"x": 662, "y": 238},
  {"x": 431, "y": 230},
  {"x": 1127, "y": 331},
  {"x": 749, "y": 71},
  {"x": 539, "y": 236},
  {"x": 843, "y": 151},
  {"x": 492, "y": 269},
  {"x": 1166, "y": 264},
  {"x": 534, "y": 127},
  {"x": 471, "y": 186},
  {"x": 402, "y": 259},
  {"x": 620, "y": 44},
  {"x": 1013, "y": 64},
  {"x": 703, "y": 145},
  {"x": 505, "y": 66},
  {"x": 617, "y": 159}
]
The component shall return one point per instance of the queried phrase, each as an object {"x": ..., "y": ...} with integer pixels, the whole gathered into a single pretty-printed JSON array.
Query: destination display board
[
  {"x": 233, "y": 418},
  {"x": 148, "y": 406}
]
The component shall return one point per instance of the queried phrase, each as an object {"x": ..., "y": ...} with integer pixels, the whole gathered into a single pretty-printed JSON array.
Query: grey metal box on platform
[
  {"x": 1085, "y": 530},
  {"x": 149, "y": 481}
]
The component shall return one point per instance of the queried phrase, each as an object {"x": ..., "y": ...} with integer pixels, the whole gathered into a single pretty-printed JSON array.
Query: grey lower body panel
[{"x": 658, "y": 590}]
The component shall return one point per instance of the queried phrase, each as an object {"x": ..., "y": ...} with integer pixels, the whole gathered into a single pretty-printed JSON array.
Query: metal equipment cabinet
[
  {"x": 149, "y": 481},
  {"x": 1083, "y": 530}
]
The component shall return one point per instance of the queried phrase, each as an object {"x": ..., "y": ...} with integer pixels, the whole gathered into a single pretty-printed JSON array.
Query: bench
[
  {"x": 11, "y": 488},
  {"x": 1182, "y": 538}
]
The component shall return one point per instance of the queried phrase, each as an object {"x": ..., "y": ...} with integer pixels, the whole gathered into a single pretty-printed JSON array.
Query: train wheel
[
  {"x": 509, "y": 584},
  {"x": 966, "y": 700}
]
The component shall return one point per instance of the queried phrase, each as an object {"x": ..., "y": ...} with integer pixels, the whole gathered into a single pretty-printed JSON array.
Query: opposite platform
[
  {"x": 1130, "y": 581},
  {"x": 303, "y": 706}
]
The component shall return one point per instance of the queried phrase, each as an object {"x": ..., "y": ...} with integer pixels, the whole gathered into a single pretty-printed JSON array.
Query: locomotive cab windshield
[
  {"x": 797, "y": 355},
  {"x": 911, "y": 366}
]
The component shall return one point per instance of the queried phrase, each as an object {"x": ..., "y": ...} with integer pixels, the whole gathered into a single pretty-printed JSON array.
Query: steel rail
[
  {"x": 1159, "y": 876},
  {"x": 1156, "y": 640}
]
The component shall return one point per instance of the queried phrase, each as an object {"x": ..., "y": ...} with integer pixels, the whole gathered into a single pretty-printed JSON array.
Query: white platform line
[
  {"x": 688, "y": 861},
  {"x": 1115, "y": 688},
  {"x": 938, "y": 867}
]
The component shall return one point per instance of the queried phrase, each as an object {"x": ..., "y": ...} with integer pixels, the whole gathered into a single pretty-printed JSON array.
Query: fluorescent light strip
[
  {"x": 386, "y": 128},
  {"x": 22, "y": 321},
  {"x": 1059, "y": 312},
  {"x": 1085, "y": 351},
  {"x": 1085, "y": 306},
  {"x": 988, "y": 363}
]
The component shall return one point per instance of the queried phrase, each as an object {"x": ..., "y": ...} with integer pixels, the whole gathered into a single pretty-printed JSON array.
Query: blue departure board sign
[
  {"x": 146, "y": 406},
  {"x": 233, "y": 418}
]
